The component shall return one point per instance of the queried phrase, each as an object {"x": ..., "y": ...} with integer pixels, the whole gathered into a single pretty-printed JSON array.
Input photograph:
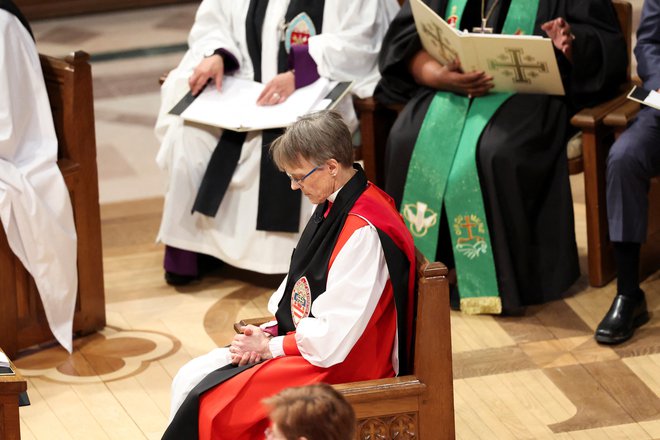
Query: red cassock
[{"x": 233, "y": 409}]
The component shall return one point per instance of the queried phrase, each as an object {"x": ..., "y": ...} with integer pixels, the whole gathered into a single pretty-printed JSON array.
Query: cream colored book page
[
  {"x": 523, "y": 64},
  {"x": 439, "y": 39},
  {"x": 235, "y": 107},
  {"x": 229, "y": 108}
]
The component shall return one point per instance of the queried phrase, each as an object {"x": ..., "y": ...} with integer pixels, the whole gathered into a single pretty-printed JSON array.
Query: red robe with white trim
[{"x": 233, "y": 409}]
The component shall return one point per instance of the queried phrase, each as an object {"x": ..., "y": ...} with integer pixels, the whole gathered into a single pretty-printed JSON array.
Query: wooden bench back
[
  {"x": 70, "y": 91},
  {"x": 22, "y": 319},
  {"x": 423, "y": 402},
  {"x": 69, "y": 86}
]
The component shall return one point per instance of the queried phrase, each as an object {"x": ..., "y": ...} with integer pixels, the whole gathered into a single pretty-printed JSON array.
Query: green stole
[{"x": 443, "y": 169}]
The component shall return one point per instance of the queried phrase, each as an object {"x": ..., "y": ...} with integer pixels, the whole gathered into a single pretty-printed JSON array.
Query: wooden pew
[
  {"x": 10, "y": 388},
  {"x": 420, "y": 405},
  {"x": 22, "y": 319}
]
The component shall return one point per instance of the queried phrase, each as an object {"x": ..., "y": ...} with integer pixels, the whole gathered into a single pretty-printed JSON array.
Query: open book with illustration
[
  {"x": 517, "y": 63},
  {"x": 235, "y": 106}
]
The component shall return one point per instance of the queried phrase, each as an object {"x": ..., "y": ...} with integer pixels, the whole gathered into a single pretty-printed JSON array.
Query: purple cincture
[{"x": 304, "y": 65}]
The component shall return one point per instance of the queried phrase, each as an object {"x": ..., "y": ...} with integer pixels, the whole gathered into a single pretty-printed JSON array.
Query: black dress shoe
[
  {"x": 625, "y": 315},
  {"x": 174, "y": 279}
]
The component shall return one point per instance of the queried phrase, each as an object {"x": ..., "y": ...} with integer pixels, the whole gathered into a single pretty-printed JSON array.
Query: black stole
[
  {"x": 185, "y": 424},
  {"x": 278, "y": 206},
  {"x": 10, "y": 7}
]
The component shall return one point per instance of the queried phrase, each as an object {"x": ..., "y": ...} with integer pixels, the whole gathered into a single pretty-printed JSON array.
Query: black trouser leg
[{"x": 626, "y": 255}]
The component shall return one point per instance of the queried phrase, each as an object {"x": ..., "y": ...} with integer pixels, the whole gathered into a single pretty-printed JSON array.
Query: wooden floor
[{"x": 531, "y": 377}]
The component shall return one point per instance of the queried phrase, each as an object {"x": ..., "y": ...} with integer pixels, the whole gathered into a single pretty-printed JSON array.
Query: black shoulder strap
[{"x": 254, "y": 23}]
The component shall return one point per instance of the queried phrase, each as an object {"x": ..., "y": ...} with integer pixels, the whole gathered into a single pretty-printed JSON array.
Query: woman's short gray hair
[{"x": 316, "y": 137}]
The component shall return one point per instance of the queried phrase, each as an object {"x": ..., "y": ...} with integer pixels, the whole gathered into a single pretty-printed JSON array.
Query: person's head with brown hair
[
  {"x": 312, "y": 412},
  {"x": 316, "y": 152}
]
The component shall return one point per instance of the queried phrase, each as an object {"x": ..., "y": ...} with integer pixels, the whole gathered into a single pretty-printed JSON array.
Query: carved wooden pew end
[{"x": 420, "y": 405}]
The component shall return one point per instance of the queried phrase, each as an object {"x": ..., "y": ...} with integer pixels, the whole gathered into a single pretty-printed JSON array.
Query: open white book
[
  {"x": 235, "y": 106},
  {"x": 517, "y": 63}
]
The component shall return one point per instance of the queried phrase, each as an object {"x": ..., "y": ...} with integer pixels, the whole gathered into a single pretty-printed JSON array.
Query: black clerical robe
[{"x": 521, "y": 155}]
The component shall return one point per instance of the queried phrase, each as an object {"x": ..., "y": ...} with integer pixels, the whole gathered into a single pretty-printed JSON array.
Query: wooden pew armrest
[
  {"x": 589, "y": 118},
  {"x": 377, "y": 389},
  {"x": 622, "y": 115},
  {"x": 251, "y": 321}
]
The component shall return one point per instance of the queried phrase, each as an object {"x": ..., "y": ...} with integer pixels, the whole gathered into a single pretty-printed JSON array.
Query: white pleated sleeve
[
  {"x": 355, "y": 283},
  {"x": 352, "y": 31},
  {"x": 213, "y": 29}
]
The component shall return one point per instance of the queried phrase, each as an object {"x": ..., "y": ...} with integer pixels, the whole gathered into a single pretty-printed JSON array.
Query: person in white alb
[
  {"x": 224, "y": 197},
  {"x": 35, "y": 208}
]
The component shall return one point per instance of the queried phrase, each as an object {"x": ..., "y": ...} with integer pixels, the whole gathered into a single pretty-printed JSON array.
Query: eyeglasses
[{"x": 299, "y": 182}]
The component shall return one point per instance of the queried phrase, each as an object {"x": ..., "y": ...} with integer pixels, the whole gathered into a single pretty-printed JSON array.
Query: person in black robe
[{"x": 521, "y": 156}]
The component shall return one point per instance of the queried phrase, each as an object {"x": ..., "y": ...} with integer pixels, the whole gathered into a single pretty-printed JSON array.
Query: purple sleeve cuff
[
  {"x": 270, "y": 329},
  {"x": 229, "y": 60},
  {"x": 305, "y": 71}
]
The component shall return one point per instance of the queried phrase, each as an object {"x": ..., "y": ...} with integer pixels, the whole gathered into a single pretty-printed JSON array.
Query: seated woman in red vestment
[{"x": 342, "y": 314}]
